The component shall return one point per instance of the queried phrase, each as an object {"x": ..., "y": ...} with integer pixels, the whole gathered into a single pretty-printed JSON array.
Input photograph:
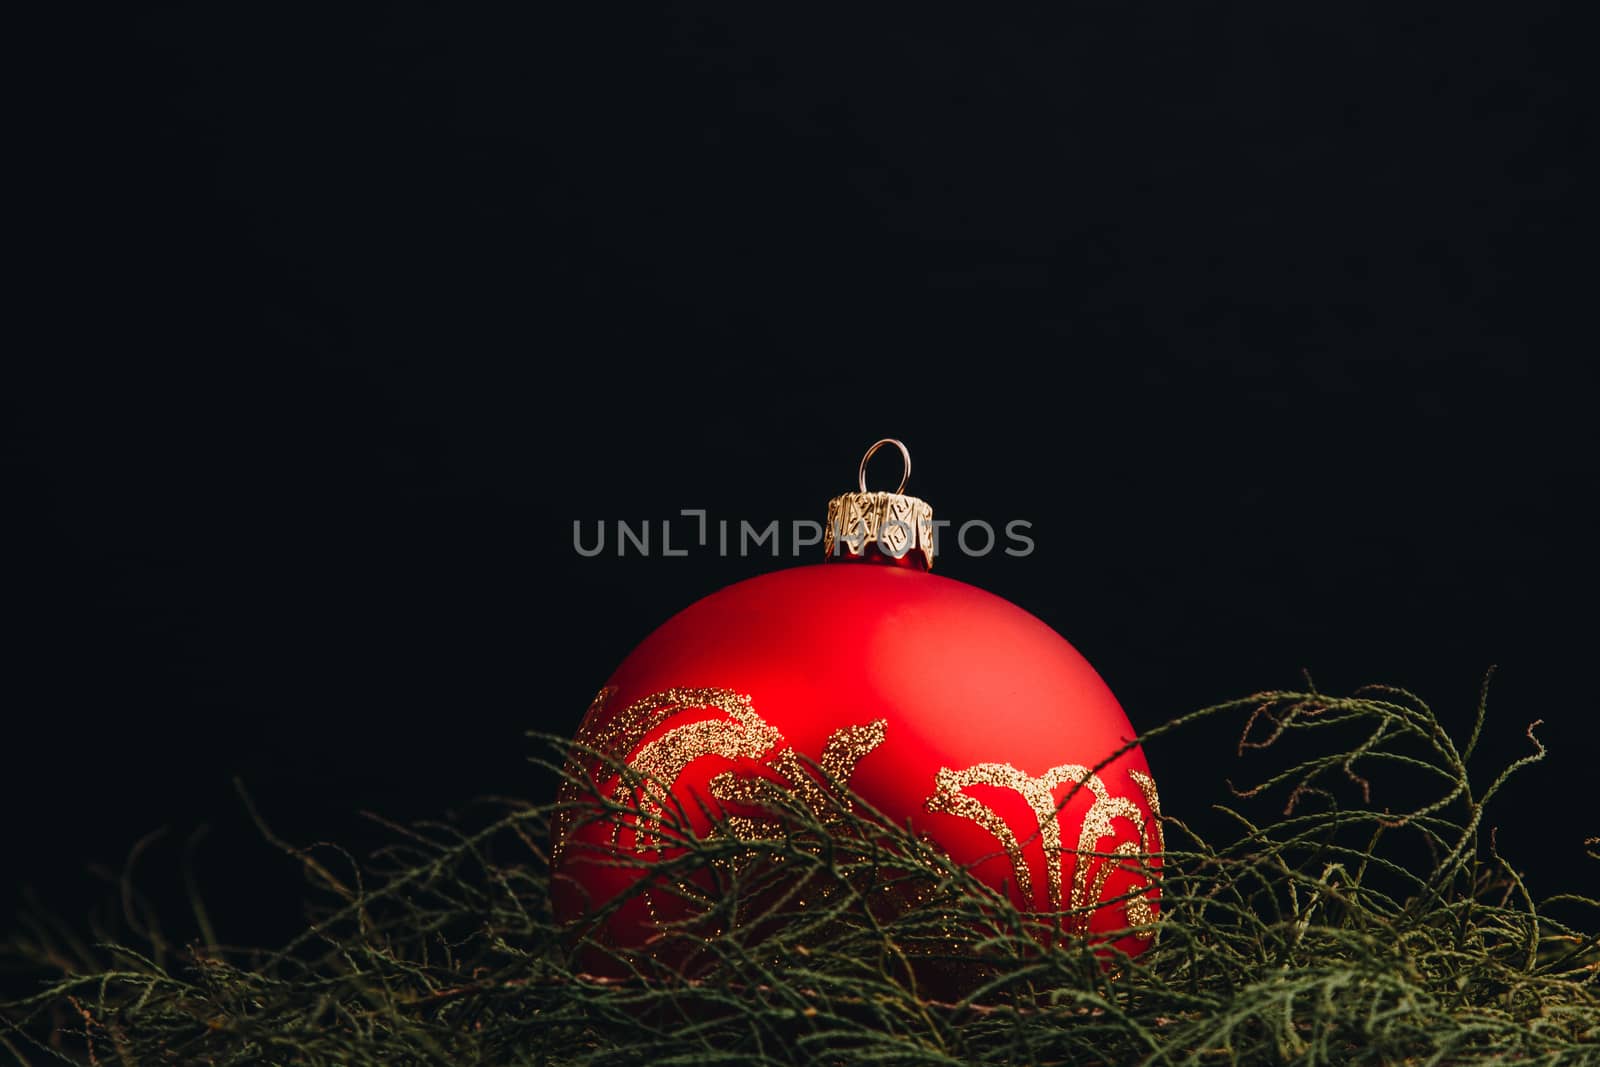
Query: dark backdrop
[{"x": 1267, "y": 321}]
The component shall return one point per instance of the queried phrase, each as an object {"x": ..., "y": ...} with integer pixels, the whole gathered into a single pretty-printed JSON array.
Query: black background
[{"x": 1269, "y": 321}]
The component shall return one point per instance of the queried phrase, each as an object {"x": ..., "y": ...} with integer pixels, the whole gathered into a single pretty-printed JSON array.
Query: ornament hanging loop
[
  {"x": 905, "y": 455},
  {"x": 887, "y": 527}
]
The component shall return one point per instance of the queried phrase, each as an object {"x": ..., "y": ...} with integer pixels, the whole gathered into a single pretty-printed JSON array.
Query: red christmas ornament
[{"x": 936, "y": 702}]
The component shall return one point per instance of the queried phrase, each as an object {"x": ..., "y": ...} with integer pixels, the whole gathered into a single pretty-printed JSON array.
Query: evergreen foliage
[{"x": 1329, "y": 929}]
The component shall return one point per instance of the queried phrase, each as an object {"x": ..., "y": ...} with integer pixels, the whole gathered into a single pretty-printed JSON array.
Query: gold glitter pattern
[
  {"x": 732, "y": 788},
  {"x": 844, "y": 749},
  {"x": 1038, "y": 793},
  {"x": 1140, "y": 912},
  {"x": 1096, "y": 824},
  {"x": 1147, "y": 786},
  {"x": 656, "y": 765},
  {"x": 622, "y": 733},
  {"x": 742, "y": 735}
]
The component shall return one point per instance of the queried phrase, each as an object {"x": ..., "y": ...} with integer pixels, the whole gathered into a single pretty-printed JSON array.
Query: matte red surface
[{"x": 961, "y": 676}]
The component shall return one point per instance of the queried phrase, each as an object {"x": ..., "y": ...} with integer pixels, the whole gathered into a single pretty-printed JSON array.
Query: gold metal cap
[{"x": 891, "y": 527}]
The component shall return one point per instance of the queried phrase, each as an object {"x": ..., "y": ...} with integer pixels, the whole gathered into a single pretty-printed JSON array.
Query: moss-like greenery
[{"x": 1331, "y": 930}]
